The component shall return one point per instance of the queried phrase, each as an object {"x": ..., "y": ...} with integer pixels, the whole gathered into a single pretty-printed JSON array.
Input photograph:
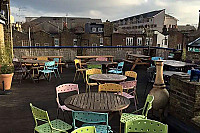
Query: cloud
[{"x": 186, "y": 12}]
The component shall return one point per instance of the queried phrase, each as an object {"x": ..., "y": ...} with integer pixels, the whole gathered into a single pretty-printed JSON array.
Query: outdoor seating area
[{"x": 98, "y": 101}]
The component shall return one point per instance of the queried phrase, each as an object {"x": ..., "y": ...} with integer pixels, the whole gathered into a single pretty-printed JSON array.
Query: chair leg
[
  {"x": 75, "y": 76},
  {"x": 58, "y": 73},
  {"x": 57, "y": 112},
  {"x": 120, "y": 127},
  {"x": 135, "y": 103},
  {"x": 54, "y": 73},
  {"x": 89, "y": 88},
  {"x": 63, "y": 115},
  {"x": 86, "y": 88}
]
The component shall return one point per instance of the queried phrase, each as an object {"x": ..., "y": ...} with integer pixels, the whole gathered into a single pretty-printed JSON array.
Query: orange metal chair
[{"x": 91, "y": 72}]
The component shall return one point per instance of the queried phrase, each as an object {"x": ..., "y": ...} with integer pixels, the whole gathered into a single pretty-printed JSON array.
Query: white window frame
[
  {"x": 94, "y": 29},
  {"x": 139, "y": 40},
  {"x": 101, "y": 40},
  {"x": 94, "y": 45},
  {"x": 37, "y": 44},
  {"x": 151, "y": 41},
  {"x": 100, "y": 29},
  {"x": 179, "y": 47},
  {"x": 147, "y": 41},
  {"x": 75, "y": 42},
  {"x": 129, "y": 41},
  {"x": 118, "y": 49},
  {"x": 56, "y": 42}
]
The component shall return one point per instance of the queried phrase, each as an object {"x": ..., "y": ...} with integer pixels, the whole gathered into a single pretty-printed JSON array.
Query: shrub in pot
[{"x": 6, "y": 74}]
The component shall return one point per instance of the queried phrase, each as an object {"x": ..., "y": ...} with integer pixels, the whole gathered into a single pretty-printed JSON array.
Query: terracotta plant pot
[{"x": 7, "y": 78}]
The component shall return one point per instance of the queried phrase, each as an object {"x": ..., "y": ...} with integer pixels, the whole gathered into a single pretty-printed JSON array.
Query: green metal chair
[
  {"x": 91, "y": 66},
  {"x": 87, "y": 129},
  {"x": 55, "y": 126},
  {"x": 92, "y": 119},
  {"x": 145, "y": 125},
  {"x": 130, "y": 116}
]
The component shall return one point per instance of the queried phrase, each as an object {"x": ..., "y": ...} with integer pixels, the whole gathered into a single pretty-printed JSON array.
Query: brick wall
[
  {"x": 184, "y": 98},
  {"x": 193, "y": 56}
]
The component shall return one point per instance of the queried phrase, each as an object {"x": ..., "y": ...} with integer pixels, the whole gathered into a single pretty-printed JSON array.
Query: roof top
[
  {"x": 167, "y": 15},
  {"x": 145, "y": 15},
  {"x": 186, "y": 28},
  {"x": 195, "y": 42}
]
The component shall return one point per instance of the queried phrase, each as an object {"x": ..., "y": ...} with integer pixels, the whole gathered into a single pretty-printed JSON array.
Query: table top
[
  {"x": 34, "y": 61},
  {"x": 139, "y": 55},
  {"x": 108, "y": 77},
  {"x": 175, "y": 63},
  {"x": 97, "y": 102},
  {"x": 32, "y": 57},
  {"x": 99, "y": 62},
  {"x": 170, "y": 73},
  {"x": 95, "y": 56}
]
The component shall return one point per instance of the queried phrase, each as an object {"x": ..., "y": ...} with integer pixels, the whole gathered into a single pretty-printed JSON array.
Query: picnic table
[
  {"x": 137, "y": 59},
  {"x": 97, "y": 102},
  {"x": 104, "y": 78},
  {"x": 86, "y": 58}
]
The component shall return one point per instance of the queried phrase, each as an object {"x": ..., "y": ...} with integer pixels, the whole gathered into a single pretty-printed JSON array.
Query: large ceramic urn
[{"x": 159, "y": 90}]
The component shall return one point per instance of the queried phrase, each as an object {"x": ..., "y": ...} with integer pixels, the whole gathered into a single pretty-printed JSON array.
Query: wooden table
[
  {"x": 97, "y": 102},
  {"x": 110, "y": 57},
  {"x": 137, "y": 59},
  {"x": 182, "y": 66},
  {"x": 103, "y": 78}
]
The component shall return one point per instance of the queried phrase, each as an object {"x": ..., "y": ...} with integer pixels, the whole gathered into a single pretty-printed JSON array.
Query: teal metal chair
[
  {"x": 55, "y": 67},
  {"x": 145, "y": 125},
  {"x": 46, "y": 71},
  {"x": 92, "y": 119},
  {"x": 117, "y": 70},
  {"x": 87, "y": 129},
  {"x": 131, "y": 116},
  {"x": 55, "y": 126}
]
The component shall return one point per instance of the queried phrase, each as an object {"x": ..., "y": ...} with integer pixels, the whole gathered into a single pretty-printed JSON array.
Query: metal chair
[
  {"x": 64, "y": 88},
  {"x": 79, "y": 69},
  {"x": 55, "y": 66},
  {"x": 91, "y": 66},
  {"x": 130, "y": 85},
  {"x": 131, "y": 116},
  {"x": 111, "y": 87},
  {"x": 101, "y": 59},
  {"x": 92, "y": 119},
  {"x": 47, "y": 71},
  {"x": 117, "y": 70},
  {"x": 91, "y": 72},
  {"x": 56, "y": 125},
  {"x": 87, "y": 129},
  {"x": 145, "y": 125},
  {"x": 151, "y": 73}
]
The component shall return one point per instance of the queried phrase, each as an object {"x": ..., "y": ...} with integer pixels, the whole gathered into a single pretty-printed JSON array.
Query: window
[
  {"x": 94, "y": 45},
  {"x": 147, "y": 41},
  {"x": 129, "y": 40},
  {"x": 56, "y": 42},
  {"x": 93, "y": 29},
  {"x": 37, "y": 44},
  {"x": 75, "y": 42},
  {"x": 150, "y": 41},
  {"x": 139, "y": 41},
  {"x": 101, "y": 41},
  {"x": 179, "y": 46},
  {"x": 119, "y": 47},
  {"x": 100, "y": 29}
]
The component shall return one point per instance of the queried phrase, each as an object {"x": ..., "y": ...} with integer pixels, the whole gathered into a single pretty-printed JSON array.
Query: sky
[{"x": 186, "y": 11}]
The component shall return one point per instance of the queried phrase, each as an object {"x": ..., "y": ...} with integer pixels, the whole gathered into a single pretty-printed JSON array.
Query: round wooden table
[
  {"x": 97, "y": 102},
  {"x": 107, "y": 77}
]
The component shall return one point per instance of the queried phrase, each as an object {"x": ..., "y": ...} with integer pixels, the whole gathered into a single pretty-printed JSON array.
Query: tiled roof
[
  {"x": 144, "y": 15},
  {"x": 186, "y": 28},
  {"x": 195, "y": 43}
]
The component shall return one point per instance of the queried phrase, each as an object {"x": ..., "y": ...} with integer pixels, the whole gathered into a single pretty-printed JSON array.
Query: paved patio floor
[{"x": 15, "y": 113}]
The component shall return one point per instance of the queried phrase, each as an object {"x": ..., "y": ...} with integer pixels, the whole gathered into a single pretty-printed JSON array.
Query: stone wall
[
  {"x": 184, "y": 98},
  {"x": 70, "y": 53}
]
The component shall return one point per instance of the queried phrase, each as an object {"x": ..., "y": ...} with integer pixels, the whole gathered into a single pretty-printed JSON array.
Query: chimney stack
[{"x": 199, "y": 21}]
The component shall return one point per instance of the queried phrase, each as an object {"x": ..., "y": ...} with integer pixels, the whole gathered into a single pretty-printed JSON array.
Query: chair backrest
[
  {"x": 101, "y": 59},
  {"x": 120, "y": 66},
  {"x": 110, "y": 87},
  {"x": 87, "y": 129},
  {"x": 77, "y": 63},
  {"x": 145, "y": 125},
  {"x": 147, "y": 105},
  {"x": 89, "y": 117},
  {"x": 49, "y": 64},
  {"x": 91, "y": 72},
  {"x": 91, "y": 66},
  {"x": 56, "y": 61},
  {"x": 64, "y": 88},
  {"x": 131, "y": 74},
  {"x": 42, "y": 58},
  {"x": 156, "y": 58},
  {"x": 129, "y": 84},
  {"x": 39, "y": 114}
]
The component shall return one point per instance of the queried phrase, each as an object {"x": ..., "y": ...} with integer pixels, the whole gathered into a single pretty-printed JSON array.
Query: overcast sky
[{"x": 186, "y": 11}]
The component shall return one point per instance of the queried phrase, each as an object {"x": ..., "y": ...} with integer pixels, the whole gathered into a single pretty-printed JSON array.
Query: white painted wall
[{"x": 161, "y": 39}]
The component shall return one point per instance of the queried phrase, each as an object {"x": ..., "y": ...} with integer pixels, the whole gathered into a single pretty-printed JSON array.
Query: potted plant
[{"x": 6, "y": 74}]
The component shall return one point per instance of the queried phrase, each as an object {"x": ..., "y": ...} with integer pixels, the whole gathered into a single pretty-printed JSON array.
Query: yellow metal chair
[
  {"x": 79, "y": 69},
  {"x": 111, "y": 87},
  {"x": 91, "y": 72}
]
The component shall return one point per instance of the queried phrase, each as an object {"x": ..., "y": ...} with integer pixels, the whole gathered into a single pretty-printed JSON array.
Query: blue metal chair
[
  {"x": 55, "y": 67},
  {"x": 92, "y": 119},
  {"x": 118, "y": 70},
  {"x": 156, "y": 58},
  {"x": 194, "y": 75},
  {"x": 46, "y": 71}
]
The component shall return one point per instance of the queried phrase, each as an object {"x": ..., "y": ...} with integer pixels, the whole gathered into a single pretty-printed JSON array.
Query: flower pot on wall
[{"x": 7, "y": 78}]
